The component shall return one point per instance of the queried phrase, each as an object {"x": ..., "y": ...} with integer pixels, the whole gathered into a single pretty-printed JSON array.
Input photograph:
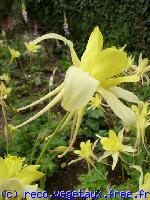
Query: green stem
[
  {"x": 122, "y": 171},
  {"x": 30, "y": 78},
  {"x": 6, "y": 134},
  {"x": 20, "y": 65},
  {"x": 4, "y": 115},
  {"x": 51, "y": 138},
  {"x": 34, "y": 147}
]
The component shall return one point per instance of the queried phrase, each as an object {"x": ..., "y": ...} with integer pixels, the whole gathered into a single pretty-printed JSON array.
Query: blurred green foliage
[{"x": 121, "y": 21}]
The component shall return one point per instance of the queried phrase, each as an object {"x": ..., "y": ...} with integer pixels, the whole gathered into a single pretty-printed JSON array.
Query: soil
[{"x": 66, "y": 179}]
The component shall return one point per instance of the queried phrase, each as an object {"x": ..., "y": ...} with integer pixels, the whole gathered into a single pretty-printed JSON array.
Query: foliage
[{"x": 121, "y": 21}]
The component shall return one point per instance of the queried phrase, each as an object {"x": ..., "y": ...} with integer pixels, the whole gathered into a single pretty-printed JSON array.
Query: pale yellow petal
[
  {"x": 75, "y": 60},
  {"x": 115, "y": 159},
  {"x": 121, "y": 110},
  {"x": 137, "y": 167},
  {"x": 105, "y": 155},
  {"x": 94, "y": 46},
  {"x": 130, "y": 149},
  {"x": 124, "y": 94},
  {"x": 12, "y": 183},
  {"x": 147, "y": 178},
  {"x": 79, "y": 87},
  {"x": 30, "y": 189}
]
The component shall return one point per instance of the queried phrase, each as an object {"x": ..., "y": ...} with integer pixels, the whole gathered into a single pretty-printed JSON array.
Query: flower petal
[
  {"x": 30, "y": 188},
  {"x": 117, "y": 81},
  {"x": 94, "y": 46},
  {"x": 108, "y": 63},
  {"x": 130, "y": 149},
  {"x": 105, "y": 155},
  {"x": 121, "y": 110},
  {"x": 12, "y": 183},
  {"x": 115, "y": 159},
  {"x": 137, "y": 167},
  {"x": 79, "y": 87},
  {"x": 3, "y": 169},
  {"x": 124, "y": 94},
  {"x": 75, "y": 60},
  {"x": 29, "y": 174}
]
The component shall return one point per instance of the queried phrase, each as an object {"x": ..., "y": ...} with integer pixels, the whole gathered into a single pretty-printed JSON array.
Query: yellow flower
[
  {"x": 142, "y": 121},
  {"x": 32, "y": 47},
  {"x": 15, "y": 175},
  {"x": 14, "y": 54},
  {"x": 95, "y": 72},
  {"x": 4, "y": 91},
  {"x": 95, "y": 102},
  {"x": 5, "y": 77},
  {"x": 144, "y": 184},
  {"x": 86, "y": 153},
  {"x": 113, "y": 145},
  {"x": 142, "y": 69}
]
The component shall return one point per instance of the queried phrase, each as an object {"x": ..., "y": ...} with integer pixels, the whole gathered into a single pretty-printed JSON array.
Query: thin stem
[
  {"x": 4, "y": 115},
  {"x": 34, "y": 147},
  {"x": 122, "y": 171},
  {"x": 5, "y": 130},
  {"x": 51, "y": 138}
]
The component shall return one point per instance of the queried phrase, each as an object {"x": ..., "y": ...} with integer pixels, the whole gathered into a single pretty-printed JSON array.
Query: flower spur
[{"x": 95, "y": 72}]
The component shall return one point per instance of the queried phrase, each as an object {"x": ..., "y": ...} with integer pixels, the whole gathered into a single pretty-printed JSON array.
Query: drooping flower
[
  {"x": 142, "y": 121},
  {"x": 14, "y": 54},
  {"x": 14, "y": 175},
  {"x": 113, "y": 145},
  {"x": 95, "y": 72},
  {"x": 32, "y": 47},
  {"x": 144, "y": 184}
]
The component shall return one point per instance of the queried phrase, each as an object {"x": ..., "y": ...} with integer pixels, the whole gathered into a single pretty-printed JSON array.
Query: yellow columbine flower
[
  {"x": 95, "y": 102},
  {"x": 15, "y": 175},
  {"x": 32, "y": 47},
  {"x": 86, "y": 153},
  {"x": 95, "y": 72},
  {"x": 144, "y": 184},
  {"x": 14, "y": 54},
  {"x": 113, "y": 145},
  {"x": 4, "y": 91},
  {"x": 142, "y": 69},
  {"x": 5, "y": 77},
  {"x": 142, "y": 121}
]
